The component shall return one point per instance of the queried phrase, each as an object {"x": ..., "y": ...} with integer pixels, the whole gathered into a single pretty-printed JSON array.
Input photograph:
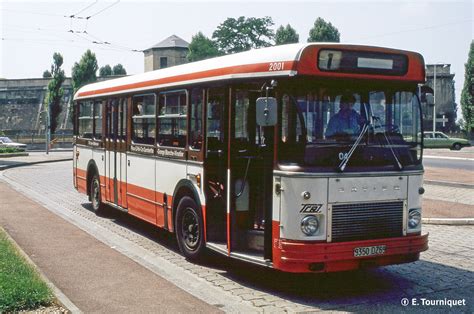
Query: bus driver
[{"x": 347, "y": 121}]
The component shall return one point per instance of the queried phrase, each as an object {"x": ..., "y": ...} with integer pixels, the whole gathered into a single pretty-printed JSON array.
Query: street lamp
[{"x": 434, "y": 93}]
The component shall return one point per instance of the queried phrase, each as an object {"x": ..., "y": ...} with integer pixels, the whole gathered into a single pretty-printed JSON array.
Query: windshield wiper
[
  {"x": 344, "y": 162},
  {"x": 398, "y": 163}
]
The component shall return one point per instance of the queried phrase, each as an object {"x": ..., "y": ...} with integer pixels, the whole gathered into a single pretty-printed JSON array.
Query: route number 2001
[{"x": 276, "y": 66}]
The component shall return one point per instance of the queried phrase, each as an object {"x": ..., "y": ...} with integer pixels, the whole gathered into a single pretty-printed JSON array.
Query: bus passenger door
[
  {"x": 215, "y": 168},
  {"x": 251, "y": 160},
  {"x": 122, "y": 152},
  {"x": 111, "y": 151}
]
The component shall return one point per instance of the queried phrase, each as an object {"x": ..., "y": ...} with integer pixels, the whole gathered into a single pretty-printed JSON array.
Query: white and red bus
[{"x": 239, "y": 154}]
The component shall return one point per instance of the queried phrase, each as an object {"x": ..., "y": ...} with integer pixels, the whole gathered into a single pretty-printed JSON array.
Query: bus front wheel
[
  {"x": 189, "y": 228},
  {"x": 97, "y": 205}
]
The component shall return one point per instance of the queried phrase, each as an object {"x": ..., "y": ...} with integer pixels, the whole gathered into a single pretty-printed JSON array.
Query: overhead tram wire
[
  {"x": 104, "y": 9},
  {"x": 83, "y": 9},
  {"x": 80, "y": 34},
  {"x": 71, "y": 43},
  {"x": 417, "y": 29}
]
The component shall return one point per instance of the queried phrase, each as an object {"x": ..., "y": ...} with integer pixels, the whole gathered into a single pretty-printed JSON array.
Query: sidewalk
[
  {"x": 95, "y": 277},
  {"x": 34, "y": 158}
]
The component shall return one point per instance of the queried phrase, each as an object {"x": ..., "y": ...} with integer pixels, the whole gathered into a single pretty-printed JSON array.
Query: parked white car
[{"x": 7, "y": 142}]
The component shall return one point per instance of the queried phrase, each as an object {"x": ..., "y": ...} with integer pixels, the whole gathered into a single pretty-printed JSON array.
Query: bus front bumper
[{"x": 300, "y": 257}]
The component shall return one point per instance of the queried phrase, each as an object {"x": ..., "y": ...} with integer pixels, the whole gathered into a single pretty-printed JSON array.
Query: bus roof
[{"x": 277, "y": 61}]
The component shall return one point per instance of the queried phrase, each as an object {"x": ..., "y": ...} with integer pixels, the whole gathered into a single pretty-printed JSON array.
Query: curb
[
  {"x": 451, "y": 184},
  {"x": 448, "y": 221},
  {"x": 33, "y": 163},
  {"x": 61, "y": 298}
]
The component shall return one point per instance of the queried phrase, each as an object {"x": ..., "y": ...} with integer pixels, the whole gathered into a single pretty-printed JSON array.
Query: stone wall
[{"x": 22, "y": 101}]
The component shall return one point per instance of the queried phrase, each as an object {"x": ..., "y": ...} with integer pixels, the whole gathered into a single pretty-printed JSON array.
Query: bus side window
[
  {"x": 98, "y": 120},
  {"x": 111, "y": 122},
  {"x": 215, "y": 114},
  {"x": 172, "y": 119},
  {"x": 85, "y": 120},
  {"x": 122, "y": 119},
  {"x": 195, "y": 136},
  {"x": 143, "y": 119}
]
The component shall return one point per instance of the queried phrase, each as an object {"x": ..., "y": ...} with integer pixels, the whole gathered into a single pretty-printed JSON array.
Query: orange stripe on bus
[{"x": 249, "y": 68}]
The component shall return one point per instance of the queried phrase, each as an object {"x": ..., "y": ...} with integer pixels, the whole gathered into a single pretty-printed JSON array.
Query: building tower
[
  {"x": 445, "y": 98},
  {"x": 167, "y": 53}
]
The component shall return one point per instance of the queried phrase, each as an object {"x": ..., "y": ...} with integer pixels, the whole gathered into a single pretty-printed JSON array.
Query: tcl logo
[{"x": 311, "y": 208}]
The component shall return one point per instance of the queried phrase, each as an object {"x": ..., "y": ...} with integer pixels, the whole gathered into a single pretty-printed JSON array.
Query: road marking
[{"x": 447, "y": 157}]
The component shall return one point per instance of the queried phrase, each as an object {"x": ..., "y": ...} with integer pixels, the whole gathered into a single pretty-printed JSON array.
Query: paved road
[
  {"x": 435, "y": 162},
  {"x": 445, "y": 271}
]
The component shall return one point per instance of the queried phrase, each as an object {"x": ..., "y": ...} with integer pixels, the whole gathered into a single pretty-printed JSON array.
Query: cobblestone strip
[{"x": 449, "y": 194}]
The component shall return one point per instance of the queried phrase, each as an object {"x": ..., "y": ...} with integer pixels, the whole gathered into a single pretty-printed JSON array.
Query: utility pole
[
  {"x": 434, "y": 99},
  {"x": 48, "y": 128}
]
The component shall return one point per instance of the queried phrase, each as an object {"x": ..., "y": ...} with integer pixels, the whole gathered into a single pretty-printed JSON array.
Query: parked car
[
  {"x": 441, "y": 140},
  {"x": 7, "y": 142}
]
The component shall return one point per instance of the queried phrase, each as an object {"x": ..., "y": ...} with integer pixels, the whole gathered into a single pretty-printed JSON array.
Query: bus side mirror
[
  {"x": 429, "y": 99},
  {"x": 266, "y": 111}
]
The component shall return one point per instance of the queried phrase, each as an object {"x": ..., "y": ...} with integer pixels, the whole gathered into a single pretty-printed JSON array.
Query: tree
[
  {"x": 286, "y": 35},
  {"x": 236, "y": 35},
  {"x": 84, "y": 72},
  {"x": 323, "y": 31},
  {"x": 201, "y": 48},
  {"x": 46, "y": 74},
  {"x": 467, "y": 105},
  {"x": 119, "y": 70},
  {"x": 104, "y": 71},
  {"x": 55, "y": 90}
]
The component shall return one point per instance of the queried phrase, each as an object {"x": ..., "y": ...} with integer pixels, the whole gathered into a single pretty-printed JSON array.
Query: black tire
[
  {"x": 97, "y": 205},
  {"x": 457, "y": 146},
  {"x": 189, "y": 228}
]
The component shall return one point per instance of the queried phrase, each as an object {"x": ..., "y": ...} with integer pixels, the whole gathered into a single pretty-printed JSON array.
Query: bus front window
[{"x": 320, "y": 129}]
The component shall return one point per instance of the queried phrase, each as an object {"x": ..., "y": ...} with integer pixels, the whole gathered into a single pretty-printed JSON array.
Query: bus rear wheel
[
  {"x": 189, "y": 228},
  {"x": 95, "y": 197}
]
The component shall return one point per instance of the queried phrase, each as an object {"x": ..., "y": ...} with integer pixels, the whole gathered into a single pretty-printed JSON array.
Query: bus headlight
[
  {"x": 414, "y": 218},
  {"x": 309, "y": 225}
]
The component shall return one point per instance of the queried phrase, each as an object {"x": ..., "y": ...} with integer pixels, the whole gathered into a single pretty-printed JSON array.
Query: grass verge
[{"x": 21, "y": 287}]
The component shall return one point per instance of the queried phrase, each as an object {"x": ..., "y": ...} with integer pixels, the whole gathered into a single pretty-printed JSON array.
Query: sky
[{"x": 117, "y": 31}]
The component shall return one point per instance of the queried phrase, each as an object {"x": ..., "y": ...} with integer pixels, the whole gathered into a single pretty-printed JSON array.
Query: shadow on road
[{"x": 386, "y": 285}]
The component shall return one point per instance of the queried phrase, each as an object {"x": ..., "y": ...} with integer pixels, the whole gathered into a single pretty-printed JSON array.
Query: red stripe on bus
[{"x": 142, "y": 202}]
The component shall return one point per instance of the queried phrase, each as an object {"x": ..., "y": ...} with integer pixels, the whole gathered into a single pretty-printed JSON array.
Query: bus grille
[{"x": 364, "y": 221}]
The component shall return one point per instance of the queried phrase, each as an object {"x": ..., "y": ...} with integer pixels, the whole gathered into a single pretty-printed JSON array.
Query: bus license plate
[{"x": 369, "y": 250}]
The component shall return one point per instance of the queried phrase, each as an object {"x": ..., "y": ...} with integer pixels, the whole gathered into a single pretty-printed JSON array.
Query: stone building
[
  {"x": 169, "y": 52},
  {"x": 445, "y": 98}
]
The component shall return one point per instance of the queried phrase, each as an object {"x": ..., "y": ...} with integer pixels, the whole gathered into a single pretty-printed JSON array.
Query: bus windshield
[{"x": 362, "y": 129}]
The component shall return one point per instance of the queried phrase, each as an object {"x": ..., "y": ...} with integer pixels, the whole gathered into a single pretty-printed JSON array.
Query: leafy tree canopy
[
  {"x": 241, "y": 34},
  {"x": 55, "y": 90},
  {"x": 323, "y": 31},
  {"x": 467, "y": 98},
  {"x": 106, "y": 70},
  {"x": 201, "y": 47},
  {"x": 286, "y": 35},
  {"x": 46, "y": 74},
  {"x": 119, "y": 70},
  {"x": 84, "y": 72}
]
